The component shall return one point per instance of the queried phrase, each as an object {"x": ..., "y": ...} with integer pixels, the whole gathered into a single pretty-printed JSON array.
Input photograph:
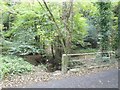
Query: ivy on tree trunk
[
  {"x": 119, "y": 30},
  {"x": 105, "y": 25}
]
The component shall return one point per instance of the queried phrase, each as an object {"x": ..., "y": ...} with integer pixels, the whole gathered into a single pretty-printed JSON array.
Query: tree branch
[{"x": 50, "y": 14}]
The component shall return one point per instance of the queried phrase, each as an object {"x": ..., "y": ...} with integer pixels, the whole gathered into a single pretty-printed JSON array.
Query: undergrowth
[{"x": 10, "y": 65}]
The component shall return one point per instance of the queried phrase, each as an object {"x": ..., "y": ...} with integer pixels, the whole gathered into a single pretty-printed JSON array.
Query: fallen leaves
[{"x": 42, "y": 76}]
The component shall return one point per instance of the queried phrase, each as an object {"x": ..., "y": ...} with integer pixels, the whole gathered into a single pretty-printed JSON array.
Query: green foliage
[
  {"x": 30, "y": 28},
  {"x": 10, "y": 65},
  {"x": 79, "y": 25},
  {"x": 24, "y": 29},
  {"x": 116, "y": 25},
  {"x": 32, "y": 20},
  {"x": 3, "y": 7},
  {"x": 89, "y": 11},
  {"x": 79, "y": 30},
  {"x": 25, "y": 50},
  {"x": 105, "y": 24}
]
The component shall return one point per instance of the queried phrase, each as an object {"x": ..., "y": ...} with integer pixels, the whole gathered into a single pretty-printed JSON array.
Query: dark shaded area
[
  {"x": 92, "y": 41},
  {"x": 34, "y": 59}
]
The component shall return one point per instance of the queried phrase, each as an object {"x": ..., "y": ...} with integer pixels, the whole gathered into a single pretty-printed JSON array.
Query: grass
[{"x": 10, "y": 65}]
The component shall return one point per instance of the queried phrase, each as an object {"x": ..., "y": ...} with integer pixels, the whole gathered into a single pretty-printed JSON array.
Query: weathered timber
[
  {"x": 65, "y": 61},
  {"x": 85, "y": 56}
]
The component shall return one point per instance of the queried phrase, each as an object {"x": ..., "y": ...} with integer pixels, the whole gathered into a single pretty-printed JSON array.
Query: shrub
[{"x": 13, "y": 65}]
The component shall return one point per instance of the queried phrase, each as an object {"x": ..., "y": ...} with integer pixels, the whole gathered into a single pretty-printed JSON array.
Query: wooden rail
[{"x": 82, "y": 56}]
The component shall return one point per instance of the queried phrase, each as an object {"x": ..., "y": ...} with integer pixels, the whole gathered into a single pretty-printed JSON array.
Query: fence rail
[{"x": 82, "y": 56}]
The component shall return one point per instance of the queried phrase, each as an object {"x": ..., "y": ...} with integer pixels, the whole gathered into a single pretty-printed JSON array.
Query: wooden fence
[{"x": 79, "y": 57}]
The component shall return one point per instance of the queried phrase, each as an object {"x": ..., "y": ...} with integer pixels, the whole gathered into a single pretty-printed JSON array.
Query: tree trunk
[
  {"x": 105, "y": 26},
  {"x": 58, "y": 51},
  {"x": 67, "y": 18},
  {"x": 59, "y": 44},
  {"x": 118, "y": 31}
]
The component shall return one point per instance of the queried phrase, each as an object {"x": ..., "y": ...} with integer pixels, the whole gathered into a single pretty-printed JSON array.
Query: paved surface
[{"x": 105, "y": 79}]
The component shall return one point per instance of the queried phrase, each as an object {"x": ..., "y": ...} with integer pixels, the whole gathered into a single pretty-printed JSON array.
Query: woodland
[{"x": 36, "y": 33}]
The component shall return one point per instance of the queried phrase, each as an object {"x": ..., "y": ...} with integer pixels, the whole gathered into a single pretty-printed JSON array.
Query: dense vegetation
[
  {"x": 51, "y": 29},
  {"x": 13, "y": 65}
]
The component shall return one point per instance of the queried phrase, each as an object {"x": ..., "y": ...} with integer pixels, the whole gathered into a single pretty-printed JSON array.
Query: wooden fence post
[
  {"x": 85, "y": 57},
  {"x": 65, "y": 61}
]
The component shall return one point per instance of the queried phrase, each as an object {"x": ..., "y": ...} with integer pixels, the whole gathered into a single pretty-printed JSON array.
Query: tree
[
  {"x": 79, "y": 26},
  {"x": 90, "y": 12},
  {"x": 119, "y": 30},
  {"x": 67, "y": 19},
  {"x": 105, "y": 25}
]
